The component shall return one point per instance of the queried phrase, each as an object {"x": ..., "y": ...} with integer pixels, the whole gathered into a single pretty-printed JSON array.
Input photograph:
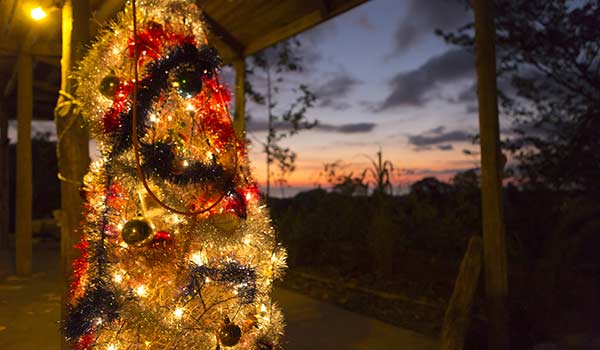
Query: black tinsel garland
[
  {"x": 159, "y": 161},
  {"x": 204, "y": 60},
  {"x": 231, "y": 273},
  {"x": 98, "y": 305}
]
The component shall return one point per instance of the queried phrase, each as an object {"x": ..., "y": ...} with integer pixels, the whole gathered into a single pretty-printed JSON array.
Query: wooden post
[
  {"x": 73, "y": 143},
  {"x": 4, "y": 180},
  {"x": 24, "y": 173},
  {"x": 240, "y": 81},
  {"x": 494, "y": 241},
  {"x": 458, "y": 313}
]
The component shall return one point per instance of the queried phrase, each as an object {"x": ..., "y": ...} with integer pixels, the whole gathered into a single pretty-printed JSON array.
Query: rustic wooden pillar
[
  {"x": 73, "y": 142},
  {"x": 24, "y": 173},
  {"x": 4, "y": 180},
  {"x": 240, "y": 81},
  {"x": 494, "y": 241},
  {"x": 458, "y": 314}
]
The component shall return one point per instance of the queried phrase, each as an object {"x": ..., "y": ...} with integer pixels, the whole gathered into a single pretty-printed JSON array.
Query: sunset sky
[{"x": 383, "y": 79}]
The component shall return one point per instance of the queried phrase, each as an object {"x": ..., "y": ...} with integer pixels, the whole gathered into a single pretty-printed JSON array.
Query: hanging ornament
[
  {"x": 229, "y": 334},
  {"x": 136, "y": 231},
  {"x": 162, "y": 239},
  {"x": 108, "y": 85},
  {"x": 188, "y": 83}
]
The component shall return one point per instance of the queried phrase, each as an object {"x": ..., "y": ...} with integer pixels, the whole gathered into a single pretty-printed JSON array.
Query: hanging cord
[
  {"x": 68, "y": 106},
  {"x": 136, "y": 146}
]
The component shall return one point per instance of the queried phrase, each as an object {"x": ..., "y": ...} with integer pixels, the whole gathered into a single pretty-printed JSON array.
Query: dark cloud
[
  {"x": 472, "y": 108},
  {"x": 468, "y": 95},
  {"x": 424, "y": 17},
  {"x": 438, "y": 137},
  {"x": 335, "y": 88},
  {"x": 411, "y": 88},
  {"x": 446, "y": 147},
  {"x": 349, "y": 128}
]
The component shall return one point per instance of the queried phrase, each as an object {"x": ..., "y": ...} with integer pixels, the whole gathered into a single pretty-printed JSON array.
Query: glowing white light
[
  {"x": 141, "y": 290},
  {"x": 169, "y": 118},
  {"x": 186, "y": 163},
  {"x": 175, "y": 219},
  {"x": 263, "y": 308},
  {"x": 178, "y": 313},
  {"x": 99, "y": 321},
  {"x": 118, "y": 277},
  {"x": 38, "y": 13},
  {"x": 111, "y": 347},
  {"x": 207, "y": 280},
  {"x": 153, "y": 118},
  {"x": 198, "y": 258},
  {"x": 120, "y": 226},
  {"x": 246, "y": 241},
  {"x": 190, "y": 107}
]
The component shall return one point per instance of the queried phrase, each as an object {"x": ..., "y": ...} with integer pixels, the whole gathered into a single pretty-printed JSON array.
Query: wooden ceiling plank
[
  {"x": 304, "y": 23},
  {"x": 277, "y": 35},
  {"x": 223, "y": 35}
]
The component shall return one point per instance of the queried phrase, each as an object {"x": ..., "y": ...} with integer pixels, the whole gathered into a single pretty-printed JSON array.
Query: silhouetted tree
[
  {"x": 549, "y": 53},
  {"x": 272, "y": 65}
]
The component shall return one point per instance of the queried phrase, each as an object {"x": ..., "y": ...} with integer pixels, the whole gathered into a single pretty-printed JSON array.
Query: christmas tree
[{"x": 177, "y": 250}]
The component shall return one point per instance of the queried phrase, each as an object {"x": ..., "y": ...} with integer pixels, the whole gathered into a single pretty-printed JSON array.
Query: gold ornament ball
[
  {"x": 229, "y": 334},
  {"x": 136, "y": 231},
  {"x": 109, "y": 85}
]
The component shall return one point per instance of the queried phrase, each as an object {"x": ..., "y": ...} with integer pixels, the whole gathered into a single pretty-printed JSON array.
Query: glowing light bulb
[
  {"x": 263, "y": 308},
  {"x": 153, "y": 118},
  {"x": 38, "y": 13},
  {"x": 190, "y": 107},
  {"x": 178, "y": 313},
  {"x": 111, "y": 347},
  {"x": 198, "y": 258},
  {"x": 186, "y": 163},
  {"x": 141, "y": 290},
  {"x": 118, "y": 277}
]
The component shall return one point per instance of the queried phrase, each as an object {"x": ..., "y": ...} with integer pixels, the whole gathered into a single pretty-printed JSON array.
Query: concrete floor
[{"x": 32, "y": 306}]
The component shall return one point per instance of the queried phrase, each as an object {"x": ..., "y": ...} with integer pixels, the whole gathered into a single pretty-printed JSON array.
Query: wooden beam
[
  {"x": 24, "y": 173},
  {"x": 239, "y": 122},
  {"x": 284, "y": 32},
  {"x": 494, "y": 240},
  {"x": 223, "y": 35},
  {"x": 458, "y": 314},
  {"x": 72, "y": 147},
  {"x": 4, "y": 180},
  {"x": 304, "y": 23},
  {"x": 324, "y": 6}
]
